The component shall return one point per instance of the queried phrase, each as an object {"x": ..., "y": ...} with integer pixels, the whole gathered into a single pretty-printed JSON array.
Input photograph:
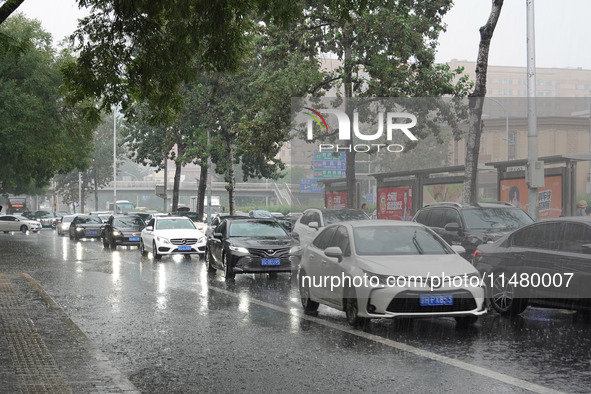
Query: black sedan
[
  {"x": 544, "y": 264},
  {"x": 85, "y": 226},
  {"x": 122, "y": 230},
  {"x": 244, "y": 245}
]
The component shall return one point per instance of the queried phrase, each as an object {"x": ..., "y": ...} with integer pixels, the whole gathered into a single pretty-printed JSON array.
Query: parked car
[
  {"x": 46, "y": 218},
  {"x": 313, "y": 220},
  {"x": 194, "y": 216},
  {"x": 249, "y": 245},
  {"x": 260, "y": 214},
  {"x": 410, "y": 271},
  {"x": 122, "y": 230},
  {"x": 10, "y": 223},
  {"x": 219, "y": 218},
  {"x": 85, "y": 226},
  {"x": 165, "y": 235},
  {"x": 544, "y": 264},
  {"x": 471, "y": 225},
  {"x": 63, "y": 227}
]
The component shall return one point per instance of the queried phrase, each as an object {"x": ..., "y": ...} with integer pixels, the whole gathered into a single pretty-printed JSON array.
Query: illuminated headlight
[
  {"x": 79, "y": 228},
  {"x": 239, "y": 249},
  {"x": 116, "y": 233},
  {"x": 64, "y": 226},
  {"x": 163, "y": 240},
  {"x": 295, "y": 250}
]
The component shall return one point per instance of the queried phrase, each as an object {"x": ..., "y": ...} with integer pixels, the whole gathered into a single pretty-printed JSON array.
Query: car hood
[
  {"x": 90, "y": 225},
  {"x": 483, "y": 236},
  {"x": 178, "y": 233},
  {"x": 136, "y": 229},
  {"x": 263, "y": 242},
  {"x": 419, "y": 265}
]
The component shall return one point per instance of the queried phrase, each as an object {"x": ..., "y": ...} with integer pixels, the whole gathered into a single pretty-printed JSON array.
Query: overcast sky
[{"x": 563, "y": 29}]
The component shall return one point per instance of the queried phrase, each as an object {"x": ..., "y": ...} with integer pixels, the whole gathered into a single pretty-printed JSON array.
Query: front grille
[
  {"x": 409, "y": 302},
  {"x": 187, "y": 241},
  {"x": 270, "y": 253}
]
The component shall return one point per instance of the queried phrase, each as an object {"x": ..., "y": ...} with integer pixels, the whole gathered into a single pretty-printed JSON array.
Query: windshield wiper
[{"x": 416, "y": 243}]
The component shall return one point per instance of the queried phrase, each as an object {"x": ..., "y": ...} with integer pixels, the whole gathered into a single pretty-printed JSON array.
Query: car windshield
[
  {"x": 503, "y": 219},
  {"x": 175, "y": 224},
  {"x": 44, "y": 214},
  {"x": 256, "y": 229},
  {"x": 127, "y": 222},
  {"x": 396, "y": 240},
  {"x": 331, "y": 217},
  {"x": 89, "y": 219}
]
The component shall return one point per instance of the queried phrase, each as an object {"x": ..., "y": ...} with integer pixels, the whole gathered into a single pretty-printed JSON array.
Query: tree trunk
[
  {"x": 178, "y": 165},
  {"x": 231, "y": 178},
  {"x": 202, "y": 189},
  {"x": 476, "y": 102},
  {"x": 96, "y": 186}
]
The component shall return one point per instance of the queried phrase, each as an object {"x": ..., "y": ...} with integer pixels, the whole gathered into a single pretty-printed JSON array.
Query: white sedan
[
  {"x": 387, "y": 269},
  {"x": 10, "y": 223},
  {"x": 171, "y": 235}
]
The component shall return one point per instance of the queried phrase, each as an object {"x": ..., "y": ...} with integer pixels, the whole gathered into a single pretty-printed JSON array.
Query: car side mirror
[
  {"x": 334, "y": 252},
  {"x": 459, "y": 249},
  {"x": 453, "y": 227},
  {"x": 150, "y": 228},
  {"x": 313, "y": 225},
  {"x": 218, "y": 235}
]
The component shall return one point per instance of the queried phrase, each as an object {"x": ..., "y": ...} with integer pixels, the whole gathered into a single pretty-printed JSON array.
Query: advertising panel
[
  {"x": 336, "y": 200},
  {"x": 515, "y": 192},
  {"x": 443, "y": 192},
  {"x": 395, "y": 203}
]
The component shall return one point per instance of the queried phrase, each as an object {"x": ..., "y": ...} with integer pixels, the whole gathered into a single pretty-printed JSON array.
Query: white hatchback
[
  {"x": 385, "y": 269},
  {"x": 171, "y": 235}
]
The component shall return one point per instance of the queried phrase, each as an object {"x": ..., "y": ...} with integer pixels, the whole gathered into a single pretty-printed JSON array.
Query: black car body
[
  {"x": 472, "y": 225},
  {"x": 123, "y": 230},
  {"x": 85, "y": 226},
  {"x": 248, "y": 245},
  {"x": 545, "y": 264}
]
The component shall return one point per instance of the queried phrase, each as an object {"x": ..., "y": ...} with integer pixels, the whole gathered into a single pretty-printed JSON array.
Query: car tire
[
  {"x": 309, "y": 305},
  {"x": 465, "y": 321},
  {"x": 24, "y": 229},
  {"x": 352, "y": 311},
  {"x": 6, "y": 232},
  {"x": 502, "y": 296},
  {"x": 157, "y": 256},
  {"x": 228, "y": 271},
  {"x": 142, "y": 247},
  {"x": 209, "y": 261}
]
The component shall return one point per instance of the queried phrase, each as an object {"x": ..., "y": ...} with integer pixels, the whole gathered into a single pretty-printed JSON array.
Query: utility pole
[
  {"x": 535, "y": 169},
  {"x": 115, "y": 160}
]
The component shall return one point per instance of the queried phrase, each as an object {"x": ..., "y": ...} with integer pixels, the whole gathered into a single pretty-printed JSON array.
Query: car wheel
[
  {"x": 157, "y": 256},
  {"x": 228, "y": 271},
  {"x": 502, "y": 296},
  {"x": 142, "y": 247},
  {"x": 105, "y": 243},
  {"x": 307, "y": 303},
  {"x": 24, "y": 229},
  {"x": 209, "y": 261},
  {"x": 352, "y": 311},
  {"x": 6, "y": 232},
  {"x": 465, "y": 321}
]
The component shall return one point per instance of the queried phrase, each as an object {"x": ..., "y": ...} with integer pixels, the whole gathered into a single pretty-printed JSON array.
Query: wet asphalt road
[{"x": 171, "y": 327}]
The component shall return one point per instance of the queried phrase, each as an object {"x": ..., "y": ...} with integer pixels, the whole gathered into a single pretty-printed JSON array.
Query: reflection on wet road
[{"x": 170, "y": 325}]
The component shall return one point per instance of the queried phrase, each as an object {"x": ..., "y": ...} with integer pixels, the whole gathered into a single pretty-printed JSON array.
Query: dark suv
[{"x": 472, "y": 225}]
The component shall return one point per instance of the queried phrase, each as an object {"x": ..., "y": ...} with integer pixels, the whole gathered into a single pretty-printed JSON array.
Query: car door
[
  {"x": 216, "y": 242},
  {"x": 315, "y": 266},
  {"x": 8, "y": 223},
  {"x": 148, "y": 235},
  {"x": 574, "y": 274},
  {"x": 337, "y": 269}
]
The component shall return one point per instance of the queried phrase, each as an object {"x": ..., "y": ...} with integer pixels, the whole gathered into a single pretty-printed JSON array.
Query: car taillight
[{"x": 477, "y": 253}]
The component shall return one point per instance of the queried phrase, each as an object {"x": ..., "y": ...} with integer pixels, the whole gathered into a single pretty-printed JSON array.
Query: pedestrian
[{"x": 581, "y": 208}]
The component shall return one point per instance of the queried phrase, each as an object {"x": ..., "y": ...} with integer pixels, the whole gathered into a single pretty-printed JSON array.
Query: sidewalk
[{"x": 43, "y": 351}]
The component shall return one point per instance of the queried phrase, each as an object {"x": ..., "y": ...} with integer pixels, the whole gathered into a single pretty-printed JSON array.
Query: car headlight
[
  {"x": 239, "y": 249},
  {"x": 116, "y": 233},
  {"x": 79, "y": 228},
  {"x": 163, "y": 240},
  {"x": 295, "y": 250},
  {"x": 381, "y": 280}
]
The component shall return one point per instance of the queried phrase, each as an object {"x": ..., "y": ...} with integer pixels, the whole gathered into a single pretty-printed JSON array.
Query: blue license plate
[
  {"x": 436, "y": 299},
  {"x": 134, "y": 239},
  {"x": 184, "y": 248},
  {"x": 270, "y": 262},
  {"x": 92, "y": 233}
]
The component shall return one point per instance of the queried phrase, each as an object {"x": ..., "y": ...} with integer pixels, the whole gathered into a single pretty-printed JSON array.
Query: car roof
[{"x": 376, "y": 223}]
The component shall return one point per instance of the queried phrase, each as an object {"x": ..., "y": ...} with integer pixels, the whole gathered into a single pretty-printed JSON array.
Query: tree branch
[{"x": 8, "y": 8}]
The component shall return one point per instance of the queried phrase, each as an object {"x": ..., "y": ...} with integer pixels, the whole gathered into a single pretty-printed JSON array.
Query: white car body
[
  {"x": 10, "y": 223},
  {"x": 409, "y": 280},
  {"x": 314, "y": 220},
  {"x": 166, "y": 235},
  {"x": 64, "y": 226}
]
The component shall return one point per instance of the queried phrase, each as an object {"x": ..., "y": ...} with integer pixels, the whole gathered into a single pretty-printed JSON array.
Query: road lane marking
[{"x": 536, "y": 388}]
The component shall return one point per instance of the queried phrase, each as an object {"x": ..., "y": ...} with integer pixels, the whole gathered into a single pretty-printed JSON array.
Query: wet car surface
[{"x": 171, "y": 327}]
